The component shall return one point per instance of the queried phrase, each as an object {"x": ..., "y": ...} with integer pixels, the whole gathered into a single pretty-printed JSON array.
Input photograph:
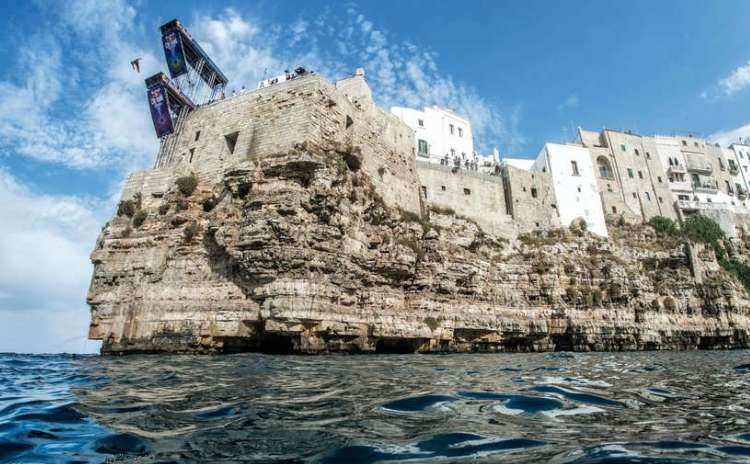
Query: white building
[
  {"x": 441, "y": 136},
  {"x": 574, "y": 182}
]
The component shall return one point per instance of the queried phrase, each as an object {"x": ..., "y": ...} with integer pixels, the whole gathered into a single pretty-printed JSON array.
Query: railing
[
  {"x": 676, "y": 169},
  {"x": 707, "y": 186},
  {"x": 699, "y": 165}
]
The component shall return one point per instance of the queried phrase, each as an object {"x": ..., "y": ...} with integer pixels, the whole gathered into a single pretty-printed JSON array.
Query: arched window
[{"x": 605, "y": 170}]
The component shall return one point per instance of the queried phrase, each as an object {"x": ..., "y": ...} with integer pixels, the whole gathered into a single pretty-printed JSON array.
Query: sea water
[{"x": 644, "y": 407}]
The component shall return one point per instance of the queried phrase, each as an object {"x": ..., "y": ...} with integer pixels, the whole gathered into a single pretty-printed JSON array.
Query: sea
[{"x": 638, "y": 407}]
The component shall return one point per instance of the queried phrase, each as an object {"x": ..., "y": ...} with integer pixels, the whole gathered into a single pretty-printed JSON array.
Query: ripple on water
[
  {"x": 121, "y": 444},
  {"x": 417, "y": 403},
  {"x": 454, "y": 445},
  {"x": 516, "y": 404},
  {"x": 579, "y": 396}
]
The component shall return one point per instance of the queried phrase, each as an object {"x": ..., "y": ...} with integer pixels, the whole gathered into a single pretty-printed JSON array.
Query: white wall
[
  {"x": 436, "y": 132},
  {"x": 577, "y": 195},
  {"x": 669, "y": 147}
]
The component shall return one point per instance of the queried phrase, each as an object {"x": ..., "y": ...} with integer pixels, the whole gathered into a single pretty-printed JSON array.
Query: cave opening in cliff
[{"x": 397, "y": 345}]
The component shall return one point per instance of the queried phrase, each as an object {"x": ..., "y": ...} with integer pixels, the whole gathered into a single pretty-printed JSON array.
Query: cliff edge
[{"x": 304, "y": 246}]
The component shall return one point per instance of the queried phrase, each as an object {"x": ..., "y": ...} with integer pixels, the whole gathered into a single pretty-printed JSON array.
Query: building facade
[{"x": 441, "y": 136}]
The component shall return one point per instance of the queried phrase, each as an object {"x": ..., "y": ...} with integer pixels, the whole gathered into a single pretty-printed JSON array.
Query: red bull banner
[
  {"x": 174, "y": 53},
  {"x": 157, "y": 101}
]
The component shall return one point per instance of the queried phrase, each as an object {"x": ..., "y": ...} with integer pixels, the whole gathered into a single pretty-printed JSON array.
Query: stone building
[{"x": 274, "y": 120}]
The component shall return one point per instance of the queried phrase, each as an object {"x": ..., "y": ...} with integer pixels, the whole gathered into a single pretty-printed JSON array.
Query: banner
[
  {"x": 157, "y": 101},
  {"x": 174, "y": 53}
]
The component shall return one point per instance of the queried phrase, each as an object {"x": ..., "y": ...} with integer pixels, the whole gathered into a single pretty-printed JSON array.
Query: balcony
[
  {"x": 707, "y": 186},
  {"x": 676, "y": 169},
  {"x": 733, "y": 169},
  {"x": 742, "y": 194},
  {"x": 699, "y": 165}
]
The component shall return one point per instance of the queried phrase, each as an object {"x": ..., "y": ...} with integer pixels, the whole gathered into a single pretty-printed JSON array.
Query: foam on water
[{"x": 559, "y": 407}]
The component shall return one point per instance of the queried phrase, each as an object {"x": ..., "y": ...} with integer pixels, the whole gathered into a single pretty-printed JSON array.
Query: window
[
  {"x": 605, "y": 170},
  {"x": 466, "y": 191},
  {"x": 609, "y": 187},
  {"x": 684, "y": 143},
  {"x": 533, "y": 192},
  {"x": 634, "y": 195},
  {"x": 579, "y": 189},
  {"x": 197, "y": 135},
  {"x": 614, "y": 209},
  {"x": 453, "y": 152},
  {"x": 640, "y": 174},
  {"x": 696, "y": 144},
  {"x": 523, "y": 188},
  {"x": 709, "y": 200},
  {"x": 622, "y": 147},
  {"x": 424, "y": 191},
  {"x": 729, "y": 187},
  {"x": 452, "y": 128},
  {"x": 420, "y": 122},
  {"x": 423, "y": 147},
  {"x": 683, "y": 197},
  {"x": 231, "y": 141},
  {"x": 670, "y": 161},
  {"x": 658, "y": 178},
  {"x": 460, "y": 131},
  {"x": 721, "y": 165},
  {"x": 574, "y": 168},
  {"x": 630, "y": 173},
  {"x": 661, "y": 200},
  {"x": 442, "y": 187},
  {"x": 648, "y": 197},
  {"x": 637, "y": 153},
  {"x": 463, "y": 155},
  {"x": 192, "y": 152},
  {"x": 648, "y": 155}
]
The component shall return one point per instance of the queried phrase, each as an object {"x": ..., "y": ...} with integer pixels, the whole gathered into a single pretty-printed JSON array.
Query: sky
[{"x": 74, "y": 119}]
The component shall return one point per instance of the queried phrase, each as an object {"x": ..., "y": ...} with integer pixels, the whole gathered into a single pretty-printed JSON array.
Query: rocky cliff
[{"x": 297, "y": 252}]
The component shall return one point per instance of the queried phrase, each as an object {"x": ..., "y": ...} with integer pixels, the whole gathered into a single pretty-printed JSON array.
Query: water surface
[{"x": 556, "y": 407}]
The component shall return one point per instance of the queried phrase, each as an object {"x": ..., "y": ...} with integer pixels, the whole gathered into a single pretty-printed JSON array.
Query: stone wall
[
  {"x": 479, "y": 197},
  {"x": 282, "y": 118},
  {"x": 530, "y": 199},
  {"x": 644, "y": 184}
]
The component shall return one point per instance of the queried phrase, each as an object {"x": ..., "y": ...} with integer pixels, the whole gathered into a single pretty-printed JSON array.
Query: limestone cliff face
[{"x": 298, "y": 253}]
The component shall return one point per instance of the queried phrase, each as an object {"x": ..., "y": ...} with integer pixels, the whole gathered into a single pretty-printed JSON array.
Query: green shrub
[
  {"x": 191, "y": 230},
  {"x": 139, "y": 218},
  {"x": 702, "y": 229},
  {"x": 431, "y": 322},
  {"x": 209, "y": 204},
  {"x": 127, "y": 208},
  {"x": 126, "y": 232},
  {"x": 164, "y": 208},
  {"x": 663, "y": 225},
  {"x": 445, "y": 211},
  {"x": 738, "y": 269},
  {"x": 187, "y": 184},
  {"x": 181, "y": 205}
]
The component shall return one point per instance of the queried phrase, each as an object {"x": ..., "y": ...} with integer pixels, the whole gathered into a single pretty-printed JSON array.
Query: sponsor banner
[
  {"x": 174, "y": 53},
  {"x": 157, "y": 101}
]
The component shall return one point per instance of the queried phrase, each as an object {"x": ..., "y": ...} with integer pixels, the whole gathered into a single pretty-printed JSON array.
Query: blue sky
[{"x": 74, "y": 121}]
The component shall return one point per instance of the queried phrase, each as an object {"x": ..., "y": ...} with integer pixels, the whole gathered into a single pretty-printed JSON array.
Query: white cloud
[
  {"x": 727, "y": 137},
  {"x": 572, "y": 101},
  {"x": 45, "y": 270},
  {"x": 45, "y": 242},
  {"x": 400, "y": 73},
  {"x": 53, "y": 116},
  {"x": 737, "y": 81}
]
